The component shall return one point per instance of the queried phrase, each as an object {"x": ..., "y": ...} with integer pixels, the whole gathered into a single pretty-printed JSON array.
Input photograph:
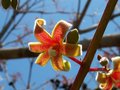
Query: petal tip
[
  {"x": 40, "y": 22},
  {"x": 38, "y": 63},
  {"x": 29, "y": 44},
  {"x": 80, "y": 49},
  {"x": 63, "y": 21}
]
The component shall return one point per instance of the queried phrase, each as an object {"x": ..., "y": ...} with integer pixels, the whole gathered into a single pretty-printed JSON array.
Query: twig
[
  {"x": 91, "y": 69},
  {"x": 78, "y": 9},
  {"x": 79, "y": 20},
  {"x": 13, "y": 27},
  {"x": 11, "y": 83},
  {"x": 76, "y": 60},
  {"x": 93, "y": 27},
  {"x": 30, "y": 73},
  {"x": 6, "y": 27}
]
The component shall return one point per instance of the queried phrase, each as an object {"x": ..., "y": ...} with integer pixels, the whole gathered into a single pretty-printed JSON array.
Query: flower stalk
[{"x": 91, "y": 69}]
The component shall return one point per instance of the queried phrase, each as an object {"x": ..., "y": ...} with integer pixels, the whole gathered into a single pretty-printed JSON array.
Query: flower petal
[
  {"x": 42, "y": 59},
  {"x": 71, "y": 49},
  {"x": 107, "y": 85},
  {"x": 38, "y": 47},
  {"x": 117, "y": 84},
  {"x": 40, "y": 33},
  {"x": 57, "y": 63},
  {"x": 60, "y": 30},
  {"x": 101, "y": 77},
  {"x": 115, "y": 76},
  {"x": 116, "y": 62}
]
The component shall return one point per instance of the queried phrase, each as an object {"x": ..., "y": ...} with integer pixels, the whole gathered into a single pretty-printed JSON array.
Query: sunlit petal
[
  {"x": 71, "y": 49},
  {"x": 40, "y": 33},
  {"x": 57, "y": 63},
  {"x": 60, "y": 30},
  {"x": 38, "y": 47},
  {"x": 116, "y": 63},
  {"x": 115, "y": 76},
  {"x": 107, "y": 85},
  {"x": 101, "y": 77},
  {"x": 42, "y": 59}
]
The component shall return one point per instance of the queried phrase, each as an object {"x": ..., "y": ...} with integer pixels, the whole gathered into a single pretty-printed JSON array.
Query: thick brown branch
[
  {"x": 94, "y": 45},
  {"x": 13, "y": 53}
]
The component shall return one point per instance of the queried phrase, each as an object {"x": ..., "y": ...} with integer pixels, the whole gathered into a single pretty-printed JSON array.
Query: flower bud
[
  {"x": 67, "y": 65},
  {"x": 72, "y": 36},
  {"x": 104, "y": 61},
  {"x": 5, "y": 3}
]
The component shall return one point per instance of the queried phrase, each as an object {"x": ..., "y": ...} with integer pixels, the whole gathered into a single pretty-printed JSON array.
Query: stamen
[{"x": 52, "y": 52}]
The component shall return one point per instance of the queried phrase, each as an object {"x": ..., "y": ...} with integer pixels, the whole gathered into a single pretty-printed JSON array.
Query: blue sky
[{"x": 41, "y": 74}]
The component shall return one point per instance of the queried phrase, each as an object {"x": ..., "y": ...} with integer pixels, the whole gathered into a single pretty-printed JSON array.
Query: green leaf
[
  {"x": 5, "y": 3},
  {"x": 14, "y": 4},
  {"x": 72, "y": 36}
]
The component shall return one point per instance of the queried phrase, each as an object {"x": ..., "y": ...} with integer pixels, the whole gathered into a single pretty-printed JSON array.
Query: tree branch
[
  {"x": 13, "y": 53},
  {"x": 6, "y": 27},
  {"x": 77, "y": 22},
  {"x": 94, "y": 45},
  {"x": 93, "y": 27}
]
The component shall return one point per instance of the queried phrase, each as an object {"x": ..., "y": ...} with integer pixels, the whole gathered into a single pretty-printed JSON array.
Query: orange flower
[
  {"x": 52, "y": 46},
  {"x": 112, "y": 78}
]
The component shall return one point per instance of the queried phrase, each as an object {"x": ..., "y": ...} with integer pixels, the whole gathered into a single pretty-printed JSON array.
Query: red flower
[
  {"x": 52, "y": 46},
  {"x": 112, "y": 78}
]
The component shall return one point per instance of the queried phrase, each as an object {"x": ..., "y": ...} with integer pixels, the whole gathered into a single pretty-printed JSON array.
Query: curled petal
[
  {"x": 71, "y": 49},
  {"x": 38, "y": 47},
  {"x": 60, "y": 30},
  {"x": 107, "y": 85},
  {"x": 101, "y": 77},
  {"x": 40, "y": 33},
  {"x": 57, "y": 63},
  {"x": 104, "y": 80},
  {"x": 42, "y": 59},
  {"x": 116, "y": 62}
]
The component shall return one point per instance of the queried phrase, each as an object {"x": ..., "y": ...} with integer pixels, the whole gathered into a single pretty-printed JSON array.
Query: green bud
[
  {"x": 104, "y": 61},
  {"x": 67, "y": 65},
  {"x": 72, "y": 36},
  {"x": 5, "y": 3},
  {"x": 14, "y": 4}
]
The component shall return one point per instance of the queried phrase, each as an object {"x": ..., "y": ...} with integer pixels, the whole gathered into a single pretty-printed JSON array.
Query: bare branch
[
  {"x": 6, "y": 27},
  {"x": 45, "y": 12},
  {"x": 13, "y": 27},
  {"x": 94, "y": 45},
  {"x": 107, "y": 41},
  {"x": 93, "y": 27},
  {"x": 77, "y": 22}
]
